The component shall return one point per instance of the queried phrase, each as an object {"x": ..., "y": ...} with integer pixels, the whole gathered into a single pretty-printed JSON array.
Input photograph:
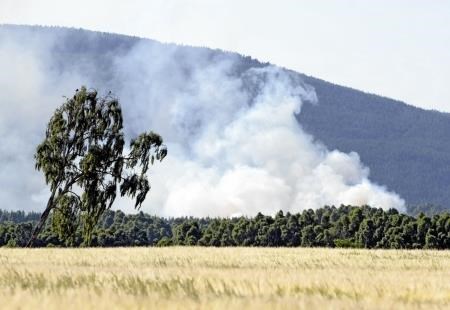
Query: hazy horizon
[{"x": 393, "y": 49}]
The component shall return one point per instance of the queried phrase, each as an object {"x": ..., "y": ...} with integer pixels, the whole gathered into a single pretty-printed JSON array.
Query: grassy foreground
[{"x": 223, "y": 278}]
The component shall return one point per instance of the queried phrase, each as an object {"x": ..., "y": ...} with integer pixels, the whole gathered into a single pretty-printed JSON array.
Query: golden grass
[{"x": 223, "y": 278}]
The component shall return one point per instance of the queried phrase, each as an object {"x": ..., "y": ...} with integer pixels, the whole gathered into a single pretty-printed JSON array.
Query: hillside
[{"x": 405, "y": 147}]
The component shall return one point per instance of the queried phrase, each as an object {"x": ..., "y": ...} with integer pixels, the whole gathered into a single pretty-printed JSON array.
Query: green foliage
[
  {"x": 346, "y": 227},
  {"x": 427, "y": 209},
  {"x": 84, "y": 165},
  {"x": 345, "y": 243},
  {"x": 18, "y": 216},
  {"x": 65, "y": 219}
]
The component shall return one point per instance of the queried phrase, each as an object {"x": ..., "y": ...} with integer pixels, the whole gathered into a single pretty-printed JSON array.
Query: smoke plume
[{"x": 235, "y": 144}]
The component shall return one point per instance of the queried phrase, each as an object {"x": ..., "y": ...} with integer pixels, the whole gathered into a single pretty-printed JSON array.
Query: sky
[{"x": 399, "y": 49}]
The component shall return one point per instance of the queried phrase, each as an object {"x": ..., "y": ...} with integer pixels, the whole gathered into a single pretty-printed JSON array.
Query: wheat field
[{"x": 223, "y": 278}]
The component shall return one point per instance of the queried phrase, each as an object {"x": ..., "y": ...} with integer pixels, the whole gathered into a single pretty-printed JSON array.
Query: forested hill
[{"x": 406, "y": 148}]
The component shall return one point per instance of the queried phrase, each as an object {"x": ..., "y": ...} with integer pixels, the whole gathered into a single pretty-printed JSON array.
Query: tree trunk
[{"x": 42, "y": 220}]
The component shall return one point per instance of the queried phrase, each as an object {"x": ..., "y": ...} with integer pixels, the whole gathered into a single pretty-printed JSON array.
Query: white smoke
[
  {"x": 253, "y": 158},
  {"x": 29, "y": 92},
  {"x": 235, "y": 145}
]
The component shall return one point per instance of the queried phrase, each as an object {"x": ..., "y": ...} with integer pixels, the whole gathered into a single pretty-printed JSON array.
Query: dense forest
[
  {"x": 405, "y": 147},
  {"x": 344, "y": 226}
]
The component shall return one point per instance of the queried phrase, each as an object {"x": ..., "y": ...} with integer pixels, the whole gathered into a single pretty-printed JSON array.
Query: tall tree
[{"x": 82, "y": 158}]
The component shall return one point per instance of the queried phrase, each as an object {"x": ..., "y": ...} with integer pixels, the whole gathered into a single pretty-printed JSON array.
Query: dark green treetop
[{"x": 82, "y": 158}]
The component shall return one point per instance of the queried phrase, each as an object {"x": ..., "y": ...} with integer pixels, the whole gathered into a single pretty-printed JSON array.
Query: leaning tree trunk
[{"x": 42, "y": 220}]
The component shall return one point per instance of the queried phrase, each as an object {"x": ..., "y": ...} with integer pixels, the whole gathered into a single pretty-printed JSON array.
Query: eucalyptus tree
[{"x": 83, "y": 160}]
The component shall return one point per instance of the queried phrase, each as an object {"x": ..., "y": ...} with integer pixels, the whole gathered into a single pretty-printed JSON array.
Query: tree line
[{"x": 344, "y": 226}]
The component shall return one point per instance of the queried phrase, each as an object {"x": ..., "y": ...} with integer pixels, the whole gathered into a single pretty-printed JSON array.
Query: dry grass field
[{"x": 223, "y": 278}]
